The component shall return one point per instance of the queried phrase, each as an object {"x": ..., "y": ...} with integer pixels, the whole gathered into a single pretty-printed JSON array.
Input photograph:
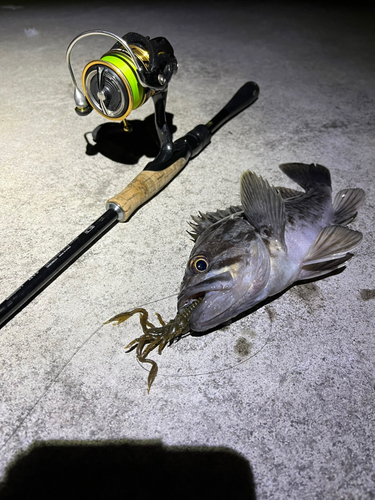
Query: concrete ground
[{"x": 278, "y": 405}]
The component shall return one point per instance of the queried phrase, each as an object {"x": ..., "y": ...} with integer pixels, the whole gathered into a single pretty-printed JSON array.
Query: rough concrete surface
[{"x": 277, "y": 405}]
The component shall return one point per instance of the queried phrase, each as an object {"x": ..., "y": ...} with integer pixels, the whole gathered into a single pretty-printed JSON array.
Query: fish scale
[{"x": 277, "y": 236}]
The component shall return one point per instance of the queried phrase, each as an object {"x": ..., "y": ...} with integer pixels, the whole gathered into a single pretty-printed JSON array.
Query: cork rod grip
[{"x": 145, "y": 186}]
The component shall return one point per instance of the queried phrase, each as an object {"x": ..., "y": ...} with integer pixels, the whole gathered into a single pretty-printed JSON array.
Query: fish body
[{"x": 277, "y": 236}]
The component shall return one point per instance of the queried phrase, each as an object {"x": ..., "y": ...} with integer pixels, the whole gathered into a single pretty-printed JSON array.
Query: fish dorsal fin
[
  {"x": 264, "y": 207},
  {"x": 307, "y": 176},
  {"x": 331, "y": 243},
  {"x": 346, "y": 204},
  {"x": 204, "y": 221}
]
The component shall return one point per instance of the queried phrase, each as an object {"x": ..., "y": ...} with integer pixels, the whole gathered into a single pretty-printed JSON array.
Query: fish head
[{"x": 229, "y": 267}]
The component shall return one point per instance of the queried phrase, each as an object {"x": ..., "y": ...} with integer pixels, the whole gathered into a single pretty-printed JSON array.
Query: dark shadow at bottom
[{"x": 127, "y": 469}]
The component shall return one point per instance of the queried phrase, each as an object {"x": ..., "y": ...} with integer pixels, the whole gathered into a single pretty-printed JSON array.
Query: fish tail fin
[
  {"x": 307, "y": 176},
  {"x": 346, "y": 204}
]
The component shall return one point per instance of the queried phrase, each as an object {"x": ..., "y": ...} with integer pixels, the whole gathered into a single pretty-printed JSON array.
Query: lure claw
[{"x": 156, "y": 336}]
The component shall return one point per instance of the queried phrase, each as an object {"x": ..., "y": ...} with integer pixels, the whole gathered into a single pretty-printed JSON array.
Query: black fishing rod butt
[{"x": 243, "y": 98}]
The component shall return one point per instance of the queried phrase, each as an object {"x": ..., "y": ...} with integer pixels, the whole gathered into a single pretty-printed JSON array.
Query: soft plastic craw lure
[{"x": 156, "y": 336}]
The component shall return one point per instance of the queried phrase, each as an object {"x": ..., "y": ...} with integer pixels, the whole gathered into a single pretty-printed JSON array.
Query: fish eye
[{"x": 199, "y": 264}]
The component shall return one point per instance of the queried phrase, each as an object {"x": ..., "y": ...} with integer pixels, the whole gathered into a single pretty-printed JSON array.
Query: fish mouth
[
  {"x": 192, "y": 293},
  {"x": 185, "y": 302},
  {"x": 203, "y": 318}
]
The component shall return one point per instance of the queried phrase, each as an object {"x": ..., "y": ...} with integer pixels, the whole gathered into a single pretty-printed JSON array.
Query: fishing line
[
  {"x": 30, "y": 411},
  {"x": 220, "y": 370},
  {"x": 211, "y": 372},
  {"x": 41, "y": 397}
]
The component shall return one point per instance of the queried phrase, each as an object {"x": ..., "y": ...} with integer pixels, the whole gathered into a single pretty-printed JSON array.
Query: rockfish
[{"x": 276, "y": 237}]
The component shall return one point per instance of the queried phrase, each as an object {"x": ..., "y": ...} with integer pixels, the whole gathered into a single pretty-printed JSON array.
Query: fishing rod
[{"x": 108, "y": 91}]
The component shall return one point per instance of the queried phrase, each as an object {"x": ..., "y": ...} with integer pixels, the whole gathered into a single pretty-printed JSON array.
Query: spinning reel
[{"x": 124, "y": 78}]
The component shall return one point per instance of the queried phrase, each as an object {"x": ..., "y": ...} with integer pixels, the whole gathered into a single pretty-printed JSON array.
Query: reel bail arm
[{"x": 123, "y": 79}]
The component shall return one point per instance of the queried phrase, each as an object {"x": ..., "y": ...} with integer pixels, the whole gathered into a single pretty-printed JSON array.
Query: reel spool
[
  {"x": 111, "y": 85},
  {"x": 124, "y": 78}
]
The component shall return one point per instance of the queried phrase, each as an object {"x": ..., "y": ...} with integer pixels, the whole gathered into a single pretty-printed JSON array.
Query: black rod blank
[
  {"x": 186, "y": 147},
  {"x": 42, "y": 278}
]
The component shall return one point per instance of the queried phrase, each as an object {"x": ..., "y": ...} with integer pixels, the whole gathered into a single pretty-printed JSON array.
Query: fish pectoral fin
[
  {"x": 329, "y": 251},
  {"x": 346, "y": 204},
  {"x": 264, "y": 207},
  {"x": 321, "y": 268},
  {"x": 333, "y": 242}
]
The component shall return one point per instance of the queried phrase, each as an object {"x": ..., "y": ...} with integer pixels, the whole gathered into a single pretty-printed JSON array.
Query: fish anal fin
[
  {"x": 346, "y": 204},
  {"x": 331, "y": 243},
  {"x": 264, "y": 207},
  {"x": 310, "y": 271}
]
